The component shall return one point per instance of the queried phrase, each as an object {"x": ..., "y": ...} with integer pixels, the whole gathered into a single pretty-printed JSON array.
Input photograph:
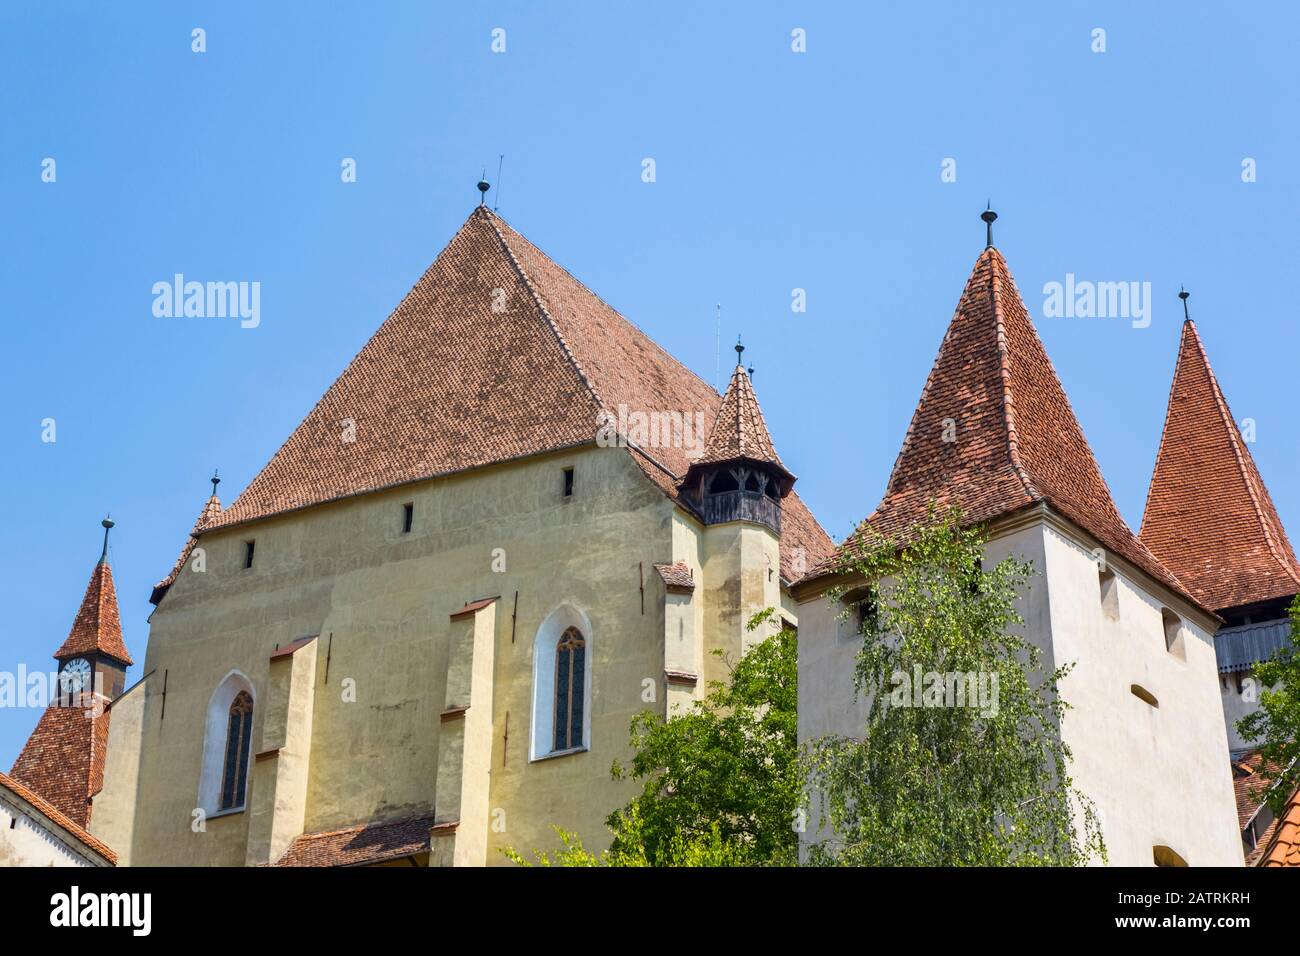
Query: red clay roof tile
[
  {"x": 1283, "y": 846},
  {"x": 497, "y": 353},
  {"x": 97, "y": 626},
  {"x": 739, "y": 430},
  {"x": 676, "y": 577},
  {"x": 210, "y": 510},
  {"x": 993, "y": 432},
  {"x": 360, "y": 845},
  {"x": 1208, "y": 515},
  {"x": 63, "y": 759}
]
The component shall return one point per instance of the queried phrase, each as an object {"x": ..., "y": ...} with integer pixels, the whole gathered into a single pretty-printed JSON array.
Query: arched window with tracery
[
  {"x": 239, "y": 735},
  {"x": 570, "y": 687}
]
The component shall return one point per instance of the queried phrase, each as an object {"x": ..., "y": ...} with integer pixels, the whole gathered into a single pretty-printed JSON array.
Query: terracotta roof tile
[
  {"x": 293, "y": 647},
  {"x": 58, "y": 817},
  {"x": 97, "y": 626},
  {"x": 1282, "y": 844},
  {"x": 472, "y": 607},
  {"x": 63, "y": 759},
  {"x": 360, "y": 845},
  {"x": 1208, "y": 514},
  {"x": 739, "y": 430},
  {"x": 210, "y": 510},
  {"x": 993, "y": 432},
  {"x": 676, "y": 576},
  {"x": 497, "y": 353}
]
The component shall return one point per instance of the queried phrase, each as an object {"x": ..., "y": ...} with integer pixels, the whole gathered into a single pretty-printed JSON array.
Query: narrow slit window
[
  {"x": 248, "y": 553},
  {"x": 1166, "y": 856},
  {"x": 1109, "y": 588},
  {"x": 408, "y": 517},
  {"x": 1174, "y": 641},
  {"x": 568, "y": 482},
  {"x": 1144, "y": 695}
]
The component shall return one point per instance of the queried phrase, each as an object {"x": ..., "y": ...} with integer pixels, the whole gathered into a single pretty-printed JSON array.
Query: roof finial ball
[
  {"x": 483, "y": 187},
  {"x": 1184, "y": 295},
  {"x": 740, "y": 351},
  {"x": 989, "y": 217},
  {"x": 215, "y": 481}
]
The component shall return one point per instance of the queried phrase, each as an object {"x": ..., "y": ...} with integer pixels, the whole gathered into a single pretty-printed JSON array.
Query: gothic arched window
[
  {"x": 239, "y": 734},
  {"x": 570, "y": 687}
]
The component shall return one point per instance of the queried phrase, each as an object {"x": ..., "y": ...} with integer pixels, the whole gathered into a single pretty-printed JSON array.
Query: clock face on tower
[{"x": 75, "y": 675}]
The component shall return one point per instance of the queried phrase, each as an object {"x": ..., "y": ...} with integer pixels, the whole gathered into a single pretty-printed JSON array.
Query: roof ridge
[
  {"x": 1164, "y": 431},
  {"x": 541, "y": 305},
  {"x": 1004, "y": 362},
  {"x": 663, "y": 353},
  {"x": 1242, "y": 456}
]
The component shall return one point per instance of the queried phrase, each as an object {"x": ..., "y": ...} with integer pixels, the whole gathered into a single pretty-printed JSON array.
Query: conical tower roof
[
  {"x": 1208, "y": 514},
  {"x": 994, "y": 433}
]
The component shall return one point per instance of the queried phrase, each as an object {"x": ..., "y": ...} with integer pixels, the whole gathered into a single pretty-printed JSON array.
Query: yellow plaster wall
[{"x": 380, "y": 601}]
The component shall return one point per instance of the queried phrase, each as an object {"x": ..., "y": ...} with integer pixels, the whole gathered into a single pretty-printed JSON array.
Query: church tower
[
  {"x": 994, "y": 434},
  {"x": 63, "y": 760},
  {"x": 737, "y": 487}
]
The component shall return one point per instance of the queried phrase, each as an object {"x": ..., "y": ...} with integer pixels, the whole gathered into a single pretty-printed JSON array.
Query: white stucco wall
[
  {"x": 1157, "y": 776},
  {"x": 28, "y": 839}
]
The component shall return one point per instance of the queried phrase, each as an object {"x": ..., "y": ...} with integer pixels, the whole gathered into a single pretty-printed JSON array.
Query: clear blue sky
[{"x": 775, "y": 170}]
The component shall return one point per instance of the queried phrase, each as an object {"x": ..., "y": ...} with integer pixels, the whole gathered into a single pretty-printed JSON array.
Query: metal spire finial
[
  {"x": 989, "y": 217},
  {"x": 740, "y": 350},
  {"x": 215, "y": 481},
  {"x": 107, "y": 523},
  {"x": 1184, "y": 295},
  {"x": 483, "y": 187}
]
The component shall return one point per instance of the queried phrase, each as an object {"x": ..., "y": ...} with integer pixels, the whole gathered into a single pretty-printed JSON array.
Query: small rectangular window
[
  {"x": 408, "y": 517},
  {"x": 568, "y": 482},
  {"x": 248, "y": 554}
]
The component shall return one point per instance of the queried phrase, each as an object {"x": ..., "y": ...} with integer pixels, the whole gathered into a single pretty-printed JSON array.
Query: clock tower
[
  {"x": 63, "y": 759},
  {"x": 94, "y": 658}
]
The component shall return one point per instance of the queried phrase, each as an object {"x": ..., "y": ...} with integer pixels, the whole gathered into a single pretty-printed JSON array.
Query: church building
[{"x": 420, "y": 633}]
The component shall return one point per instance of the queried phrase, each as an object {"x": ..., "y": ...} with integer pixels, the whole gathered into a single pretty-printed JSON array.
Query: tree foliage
[
  {"x": 721, "y": 783},
  {"x": 1275, "y": 726},
  {"x": 931, "y": 781}
]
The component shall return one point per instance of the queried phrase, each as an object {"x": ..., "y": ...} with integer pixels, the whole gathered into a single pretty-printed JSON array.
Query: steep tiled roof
[
  {"x": 57, "y": 817},
  {"x": 496, "y": 353},
  {"x": 63, "y": 759},
  {"x": 994, "y": 432},
  {"x": 1208, "y": 515},
  {"x": 97, "y": 626},
  {"x": 210, "y": 510},
  {"x": 360, "y": 845},
  {"x": 739, "y": 430}
]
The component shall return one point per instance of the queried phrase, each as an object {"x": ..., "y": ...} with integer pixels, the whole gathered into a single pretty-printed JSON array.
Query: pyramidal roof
[
  {"x": 739, "y": 431},
  {"x": 211, "y": 509},
  {"x": 1208, "y": 514},
  {"x": 993, "y": 431},
  {"x": 497, "y": 353},
  {"x": 98, "y": 625}
]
